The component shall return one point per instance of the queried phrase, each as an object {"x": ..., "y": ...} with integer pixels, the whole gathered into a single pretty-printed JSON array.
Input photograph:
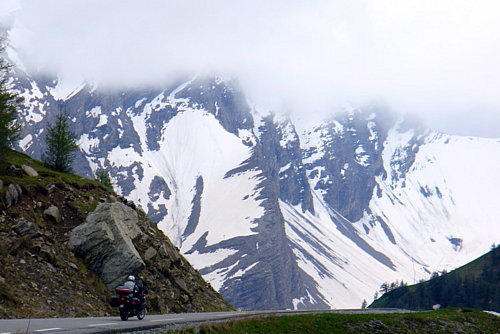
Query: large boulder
[
  {"x": 104, "y": 241},
  {"x": 12, "y": 195}
]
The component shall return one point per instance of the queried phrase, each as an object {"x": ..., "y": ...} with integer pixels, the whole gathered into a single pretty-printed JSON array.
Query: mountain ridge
[{"x": 273, "y": 217}]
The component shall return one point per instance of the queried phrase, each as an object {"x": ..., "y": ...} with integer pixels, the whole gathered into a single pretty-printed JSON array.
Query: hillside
[
  {"x": 477, "y": 284},
  {"x": 40, "y": 275}
]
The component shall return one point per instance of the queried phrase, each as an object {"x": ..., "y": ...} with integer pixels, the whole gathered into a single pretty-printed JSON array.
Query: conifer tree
[
  {"x": 384, "y": 288},
  {"x": 364, "y": 304},
  {"x": 61, "y": 145},
  {"x": 102, "y": 176},
  {"x": 9, "y": 104}
]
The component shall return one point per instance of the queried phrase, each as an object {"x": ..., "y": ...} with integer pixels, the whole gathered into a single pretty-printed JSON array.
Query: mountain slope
[
  {"x": 273, "y": 216},
  {"x": 42, "y": 276},
  {"x": 477, "y": 284}
]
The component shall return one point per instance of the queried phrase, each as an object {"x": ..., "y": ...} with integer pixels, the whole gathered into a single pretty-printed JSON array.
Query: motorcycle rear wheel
[
  {"x": 142, "y": 313},
  {"x": 124, "y": 315}
]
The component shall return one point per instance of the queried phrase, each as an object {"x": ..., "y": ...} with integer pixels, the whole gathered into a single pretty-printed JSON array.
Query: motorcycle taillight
[
  {"x": 123, "y": 298},
  {"x": 133, "y": 303}
]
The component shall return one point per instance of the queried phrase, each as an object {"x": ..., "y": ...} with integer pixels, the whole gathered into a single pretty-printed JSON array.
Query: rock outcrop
[
  {"x": 42, "y": 276},
  {"x": 105, "y": 242}
]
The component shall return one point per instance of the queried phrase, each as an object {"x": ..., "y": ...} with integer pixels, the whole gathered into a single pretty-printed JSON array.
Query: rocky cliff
[{"x": 65, "y": 241}]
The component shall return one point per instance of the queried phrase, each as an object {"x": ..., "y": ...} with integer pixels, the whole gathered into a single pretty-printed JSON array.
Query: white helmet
[{"x": 131, "y": 278}]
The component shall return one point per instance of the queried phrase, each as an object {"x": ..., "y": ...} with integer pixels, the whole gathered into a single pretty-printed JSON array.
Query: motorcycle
[{"x": 129, "y": 303}]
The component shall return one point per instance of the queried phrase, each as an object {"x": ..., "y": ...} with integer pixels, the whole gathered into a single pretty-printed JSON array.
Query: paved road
[{"x": 114, "y": 324}]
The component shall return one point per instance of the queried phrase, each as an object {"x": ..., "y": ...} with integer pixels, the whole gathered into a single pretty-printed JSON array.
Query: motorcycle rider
[
  {"x": 130, "y": 283},
  {"x": 131, "y": 298},
  {"x": 136, "y": 286}
]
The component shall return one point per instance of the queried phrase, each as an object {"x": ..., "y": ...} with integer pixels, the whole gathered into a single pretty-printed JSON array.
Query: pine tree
[
  {"x": 364, "y": 304},
  {"x": 9, "y": 104},
  {"x": 61, "y": 145},
  {"x": 102, "y": 176},
  {"x": 384, "y": 288}
]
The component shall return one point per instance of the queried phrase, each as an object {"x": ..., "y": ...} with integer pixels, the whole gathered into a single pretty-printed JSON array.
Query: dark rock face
[
  {"x": 282, "y": 156},
  {"x": 226, "y": 102},
  {"x": 351, "y": 161},
  {"x": 196, "y": 208},
  {"x": 272, "y": 278},
  {"x": 157, "y": 188},
  {"x": 105, "y": 243}
]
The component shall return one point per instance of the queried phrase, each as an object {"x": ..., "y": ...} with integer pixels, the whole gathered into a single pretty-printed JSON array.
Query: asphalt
[{"x": 105, "y": 325}]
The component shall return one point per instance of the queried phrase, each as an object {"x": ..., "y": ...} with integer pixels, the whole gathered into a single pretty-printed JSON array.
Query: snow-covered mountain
[{"x": 274, "y": 217}]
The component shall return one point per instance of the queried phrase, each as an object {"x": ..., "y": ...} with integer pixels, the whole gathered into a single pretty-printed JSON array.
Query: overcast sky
[{"x": 439, "y": 59}]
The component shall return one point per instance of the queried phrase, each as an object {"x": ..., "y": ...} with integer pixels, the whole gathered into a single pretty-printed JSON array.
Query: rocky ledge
[{"x": 66, "y": 242}]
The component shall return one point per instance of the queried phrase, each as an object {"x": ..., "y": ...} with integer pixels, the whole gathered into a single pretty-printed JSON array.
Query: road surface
[{"x": 114, "y": 324}]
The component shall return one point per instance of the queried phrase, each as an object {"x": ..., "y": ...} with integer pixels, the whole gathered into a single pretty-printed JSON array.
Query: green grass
[
  {"x": 47, "y": 175},
  {"x": 442, "y": 321}
]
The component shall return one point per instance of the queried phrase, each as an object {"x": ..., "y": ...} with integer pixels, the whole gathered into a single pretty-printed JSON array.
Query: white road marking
[
  {"x": 6, "y": 333},
  {"x": 169, "y": 319},
  {"x": 47, "y": 329},
  {"x": 103, "y": 324}
]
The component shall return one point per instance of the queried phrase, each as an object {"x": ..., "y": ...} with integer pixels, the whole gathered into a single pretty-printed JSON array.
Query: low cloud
[{"x": 435, "y": 58}]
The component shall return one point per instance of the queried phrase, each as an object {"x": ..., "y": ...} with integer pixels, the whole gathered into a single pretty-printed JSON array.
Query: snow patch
[
  {"x": 26, "y": 142},
  {"x": 242, "y": 272},
  {"x": 94, "y": 112},
  {"x": 205, "y": 260},
  {"x": 65, "y": 89},
  {"x": 103, "y": 120},
  {"x": 88, "y": 144}
]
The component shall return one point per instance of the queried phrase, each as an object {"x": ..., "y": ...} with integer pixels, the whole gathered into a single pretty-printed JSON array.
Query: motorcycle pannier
[{"x": 114, "y": 301}]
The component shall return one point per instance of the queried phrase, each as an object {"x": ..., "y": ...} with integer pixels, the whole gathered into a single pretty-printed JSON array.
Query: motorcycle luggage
[
  {"x": 114, "y": 301},
  {"x": 123, "y": 291},
  {"x": 135, "y": 301}
]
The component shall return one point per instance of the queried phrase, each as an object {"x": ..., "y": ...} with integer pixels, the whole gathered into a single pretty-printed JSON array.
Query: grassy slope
[
  {"x": 442, "y": 321},
  {"x": 466, "y": 286}
]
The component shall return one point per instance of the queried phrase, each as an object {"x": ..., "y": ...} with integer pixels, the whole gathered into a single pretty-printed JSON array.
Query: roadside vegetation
[
  {"x": 454, "y": 320},
  {"x": 476, "y": 284}
]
